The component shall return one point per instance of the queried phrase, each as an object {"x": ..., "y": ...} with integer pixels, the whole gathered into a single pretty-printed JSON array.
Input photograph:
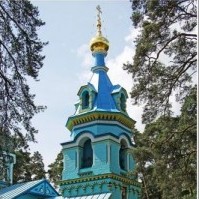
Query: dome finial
[
  {"x": 99, "y": 24},
  {"x": 99, "y": 43}
]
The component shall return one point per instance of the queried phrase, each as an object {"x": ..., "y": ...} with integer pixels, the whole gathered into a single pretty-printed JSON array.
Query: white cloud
[
  {"x": 83, "y": 51},
  {"x": 116, "y": 72},
  {"x": 120, "y": 76},
  {"x": 85, "y": 73},
  {"x": 133, "y": 34}
]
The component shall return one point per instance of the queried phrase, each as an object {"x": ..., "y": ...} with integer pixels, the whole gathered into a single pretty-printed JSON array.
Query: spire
[
  {"x": 100, "y": 96},
  {"x": 99, "y": 47},
  {"x": 99, "y": 43}
]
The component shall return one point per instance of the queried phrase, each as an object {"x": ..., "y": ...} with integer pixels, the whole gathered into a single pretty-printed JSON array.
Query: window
[
  {"x": 123, "y": 155},
  {"x": 124, "y": 193},
  {"x": 85, "y": 100},
  {"x": 87, "y": 155},
  {"x": 123, "y": 102}
]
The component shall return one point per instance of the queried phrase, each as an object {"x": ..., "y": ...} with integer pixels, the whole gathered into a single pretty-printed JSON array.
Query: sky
[{"x": 70, "y": 25}]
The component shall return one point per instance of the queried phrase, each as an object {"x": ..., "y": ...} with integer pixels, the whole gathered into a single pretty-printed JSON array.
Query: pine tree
[
  {"x": 20, "y": 59},
  {"x": 166, "y": 154},
  {"x": 55, "y": 169},
  {"x": 27, "y": 167},
  {"x": 21, "y": 171},
  {"x": 165, "y": 60},
  {"x": 37, "y": 166},
  {"x": 164, "y": 64}
]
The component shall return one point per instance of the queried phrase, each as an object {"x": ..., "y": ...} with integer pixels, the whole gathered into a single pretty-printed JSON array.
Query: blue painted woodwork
[
  {"x": 102, "y": 128},
  {"x": 6, "y": 175},
  {"x": 99, "y": 58},
  {"x": 29, "y": 190},
  {"x": 98, "y": 157},
  {"x": 105, "y": 96}
]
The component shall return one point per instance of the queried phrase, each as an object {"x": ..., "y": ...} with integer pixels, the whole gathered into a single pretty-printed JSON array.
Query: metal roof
[
  {"x": 103, "y": 86},
  {"x": 96, "y": 196},
  {"x": 16, "y": 190}
]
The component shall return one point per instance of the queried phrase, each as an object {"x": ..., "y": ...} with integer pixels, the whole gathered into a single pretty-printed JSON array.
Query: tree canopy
[
  {"x": 166, "y": 154},
  {"x": 165, "y": 60},
  {"x": 28, "y": 167},
  {"x": 164, "y": 66},
  {"x": 20, "y": 58},
  {"x": 55, "y": 169}
]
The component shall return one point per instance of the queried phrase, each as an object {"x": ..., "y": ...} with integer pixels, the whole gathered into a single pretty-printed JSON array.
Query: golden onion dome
[{"x": 99, "y": 42}]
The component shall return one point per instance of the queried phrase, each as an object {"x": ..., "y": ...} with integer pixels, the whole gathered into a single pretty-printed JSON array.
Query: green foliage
[
  {"x": 165, "y": 59},
  {"x": 20, "y": 59},
  {"x": 27, "y": 167},
  {"x": 37, "y": 166},
  {"x": 55, "y": 169},
  {"x": 166, "y": 154},
  {"x": 164, "y": 64}
]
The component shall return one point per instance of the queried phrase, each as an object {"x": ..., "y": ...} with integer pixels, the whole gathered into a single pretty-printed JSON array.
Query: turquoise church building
[{"x": 98, "y": 160}]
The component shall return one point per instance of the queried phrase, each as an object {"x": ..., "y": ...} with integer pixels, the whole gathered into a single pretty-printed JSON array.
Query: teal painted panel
[
  {"x": 131, "y": 163},
  {"x": 101, "y": 129},
  {"x": 101, "y": 162},
  {"x": 88, "y": 188},
  {"x": 98, "y": 187},
  {"x": 70, "y": 163},
  {"x": 114, "y": 154},
  {"x": 44, "y": 189},
  {"x": 100, "y": 152},
  {"x": 27, "y": 196},
  {"x": 116, "y": 194}
]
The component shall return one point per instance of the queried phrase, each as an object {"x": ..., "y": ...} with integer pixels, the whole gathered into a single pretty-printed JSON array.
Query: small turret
[{"x": 100, "y": 97}]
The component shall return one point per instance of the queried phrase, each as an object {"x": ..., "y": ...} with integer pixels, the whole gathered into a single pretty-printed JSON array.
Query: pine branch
[{"x": 16, "y": 23}]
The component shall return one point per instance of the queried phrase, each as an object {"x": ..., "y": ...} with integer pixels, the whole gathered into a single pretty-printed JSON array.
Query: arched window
[
  {"x": 123, "y": 156},
  {"x": 85, "y": 100},
  {"x": 87, "y": 155},
  {"x": 123, "y": 102}
]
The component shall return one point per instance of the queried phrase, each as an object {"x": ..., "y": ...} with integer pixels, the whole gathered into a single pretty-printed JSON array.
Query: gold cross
[
  {"x": 99, "y": 9},
  {"x": 99, "y": 20}
]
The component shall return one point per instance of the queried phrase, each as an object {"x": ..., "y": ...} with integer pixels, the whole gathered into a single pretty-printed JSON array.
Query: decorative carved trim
[
  {"x": 88, "y": 117},
  {"x": 100, "y": 177}
]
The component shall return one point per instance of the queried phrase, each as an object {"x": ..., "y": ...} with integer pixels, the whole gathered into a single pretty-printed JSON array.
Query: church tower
[{"x": 98, "y": 160}]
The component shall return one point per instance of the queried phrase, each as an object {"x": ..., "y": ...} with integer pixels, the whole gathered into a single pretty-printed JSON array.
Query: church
[{"x": 98, "y": 162}]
